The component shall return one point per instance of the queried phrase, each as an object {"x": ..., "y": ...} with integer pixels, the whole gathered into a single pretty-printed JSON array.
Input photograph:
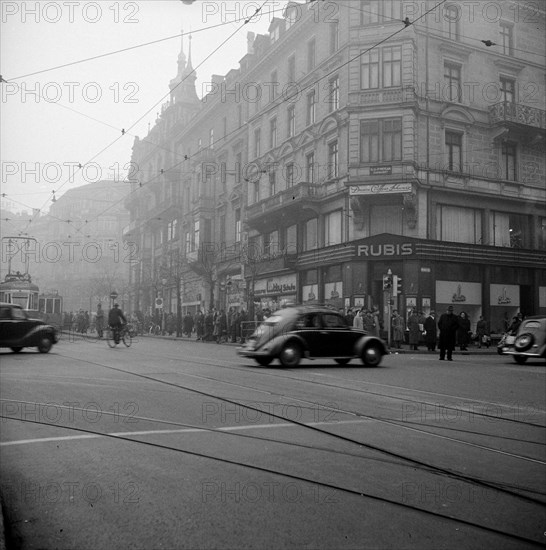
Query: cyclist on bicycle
[{"x": 116, "y": 320}]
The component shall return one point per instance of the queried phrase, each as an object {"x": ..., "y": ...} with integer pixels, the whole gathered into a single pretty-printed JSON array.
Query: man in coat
[
  {"x": 448, "y": 325},
  {"x": 430, "y": 331},
  {"x": 413, "y": 327}
]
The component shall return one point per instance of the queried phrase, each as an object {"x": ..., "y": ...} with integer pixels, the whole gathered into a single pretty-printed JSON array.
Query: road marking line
[
  {"x": 259, "y": 427},
  {"x": 173, "y": 431}
]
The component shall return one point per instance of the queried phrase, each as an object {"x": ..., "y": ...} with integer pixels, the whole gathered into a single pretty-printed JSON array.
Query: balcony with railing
[
  {"x": 517, "y": 115},
  {"x": 290, "y": 201}
]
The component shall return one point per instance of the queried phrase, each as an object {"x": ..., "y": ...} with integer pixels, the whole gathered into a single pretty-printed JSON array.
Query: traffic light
[
  {"x": 387, "y": 282},
  {"x": 396, "y": 285}
]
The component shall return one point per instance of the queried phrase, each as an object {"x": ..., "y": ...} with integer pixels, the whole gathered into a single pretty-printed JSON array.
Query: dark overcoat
[{"x": 448, "y": 325}]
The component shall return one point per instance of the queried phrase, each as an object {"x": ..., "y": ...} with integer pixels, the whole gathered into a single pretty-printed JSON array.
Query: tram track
[
  {"x": 394, "y": 458},
  {"x": 450, "y": 473}
]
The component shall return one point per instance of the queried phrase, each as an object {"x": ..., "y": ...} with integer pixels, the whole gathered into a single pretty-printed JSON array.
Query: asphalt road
[{"x": 179, "y": 444}]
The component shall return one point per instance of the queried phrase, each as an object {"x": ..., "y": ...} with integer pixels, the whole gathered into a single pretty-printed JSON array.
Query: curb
[{"x": 392, "y": 351}]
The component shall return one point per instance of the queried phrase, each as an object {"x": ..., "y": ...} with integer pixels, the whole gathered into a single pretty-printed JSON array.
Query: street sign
[
  {"x": 159, "y": 303},
  {"x": 113, "y": 295}
]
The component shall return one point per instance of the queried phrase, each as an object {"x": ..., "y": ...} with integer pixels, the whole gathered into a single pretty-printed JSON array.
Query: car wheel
[
  {"x": 342, "y": 361},
  {"x": 523, "y": 342},
  {"x": 45, "y": 344},
  {"x": 520, "y": 359},
  {"x": 371, "y": 356},
  {"x": 290, "y": 355},
  {"x": 263, "y": 361},
  {"x": 499, "y": 351},
  {"x": 16, "y": 350}
]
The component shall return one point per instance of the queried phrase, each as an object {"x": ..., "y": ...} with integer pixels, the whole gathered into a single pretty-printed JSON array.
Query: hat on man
[{"x": 450, "y": 308}]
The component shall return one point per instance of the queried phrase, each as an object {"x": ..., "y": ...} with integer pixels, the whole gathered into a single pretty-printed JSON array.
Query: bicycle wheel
[
  {"x": 110, "y": 338},
  {"x": 127, "y": 339}
]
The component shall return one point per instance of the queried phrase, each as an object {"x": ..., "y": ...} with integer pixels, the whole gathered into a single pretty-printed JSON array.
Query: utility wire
[{"x": 179, "y": 84}]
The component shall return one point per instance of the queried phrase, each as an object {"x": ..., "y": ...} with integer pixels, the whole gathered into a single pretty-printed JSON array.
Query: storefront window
[
  {"x": 461, "y": 225},
  {"x": 333, "y": 286},
  {"x": 310, "y": 286}
]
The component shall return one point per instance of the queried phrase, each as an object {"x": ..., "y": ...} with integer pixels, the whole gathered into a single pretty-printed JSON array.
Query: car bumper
[
  {"x": 529, "y": 353},
  {"x": 252, "y": 353}
]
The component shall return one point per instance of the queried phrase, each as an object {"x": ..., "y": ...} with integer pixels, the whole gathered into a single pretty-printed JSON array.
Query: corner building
[{"x": 347, "y": 144}]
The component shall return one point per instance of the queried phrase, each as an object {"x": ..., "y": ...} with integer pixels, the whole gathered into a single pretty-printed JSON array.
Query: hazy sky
[{"x": 60, "y": 117}]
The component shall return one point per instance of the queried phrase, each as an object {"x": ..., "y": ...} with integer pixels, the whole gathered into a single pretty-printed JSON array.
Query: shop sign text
[{"x": 404, "y": 249}]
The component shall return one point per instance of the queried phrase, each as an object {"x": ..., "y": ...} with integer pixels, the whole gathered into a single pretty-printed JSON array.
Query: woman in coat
[
  {"x": 358, "y": 321},
  {"x": 430, "y": 331},
  {"x": 463, "y": 332},
  {"x": 413, "y": 327}
]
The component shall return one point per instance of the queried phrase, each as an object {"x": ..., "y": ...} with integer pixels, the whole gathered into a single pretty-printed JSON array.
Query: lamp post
[
  {"x": 388, "y": 295},
  {"x": 163, "y": 283}
]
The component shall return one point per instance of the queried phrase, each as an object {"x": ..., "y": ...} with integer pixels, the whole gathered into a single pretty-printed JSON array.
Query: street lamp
[
  {"x": 388, "y": 295},
  {"x": 163, "y": 283}
]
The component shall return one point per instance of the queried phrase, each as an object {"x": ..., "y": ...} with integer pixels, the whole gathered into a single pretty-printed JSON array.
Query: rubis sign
[{"x": 385, "y": 249}]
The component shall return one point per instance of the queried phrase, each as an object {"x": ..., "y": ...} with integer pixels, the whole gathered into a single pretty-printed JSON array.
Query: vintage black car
[
  {"x": 311, "y": 332},
  {"x": 530, "y": 340},
  {"x": 18, "y": 331}
]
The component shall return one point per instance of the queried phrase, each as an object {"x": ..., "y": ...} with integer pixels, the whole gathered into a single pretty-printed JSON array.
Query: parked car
[
  {"x": 311, "y": 332},
  {"x": 18, "y": 331},
  {"x": 530, "y": 340}
]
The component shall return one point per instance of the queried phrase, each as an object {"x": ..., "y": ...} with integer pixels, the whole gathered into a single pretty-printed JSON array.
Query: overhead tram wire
[
  {"x": 276, "y": 103},
  {"x": 247, "y": 20},
  {"x": 141, "y": 45}
]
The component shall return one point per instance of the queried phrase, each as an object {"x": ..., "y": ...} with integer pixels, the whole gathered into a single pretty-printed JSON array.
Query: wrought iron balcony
[
  {"x": 507, "y": 112},
  {"x": 290, "y": 201}
]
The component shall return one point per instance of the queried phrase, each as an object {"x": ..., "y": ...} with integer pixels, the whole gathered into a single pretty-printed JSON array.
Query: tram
[
  {"x": 50, "y": 306},
  {"x": 17, "y": 288}
]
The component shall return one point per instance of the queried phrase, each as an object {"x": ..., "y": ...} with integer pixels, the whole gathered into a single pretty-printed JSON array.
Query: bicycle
[{"x": 124, "y": 336}]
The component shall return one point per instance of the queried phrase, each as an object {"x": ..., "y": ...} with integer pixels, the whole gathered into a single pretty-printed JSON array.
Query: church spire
[
  {"x": 189, "y": 67},
  {"x": 181, "y": 55}
]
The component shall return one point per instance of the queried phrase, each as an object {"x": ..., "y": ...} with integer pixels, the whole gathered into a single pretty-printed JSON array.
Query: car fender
[
  {"x": 365, "y": 340},
  {"x": 35, "y": 333},
  {"x": 275, "y": 345}
]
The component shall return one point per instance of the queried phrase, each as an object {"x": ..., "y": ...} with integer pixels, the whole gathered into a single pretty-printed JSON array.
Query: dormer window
[
  {"x": 291, "y": 17},
  {"x": 275, "y": 34}
]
